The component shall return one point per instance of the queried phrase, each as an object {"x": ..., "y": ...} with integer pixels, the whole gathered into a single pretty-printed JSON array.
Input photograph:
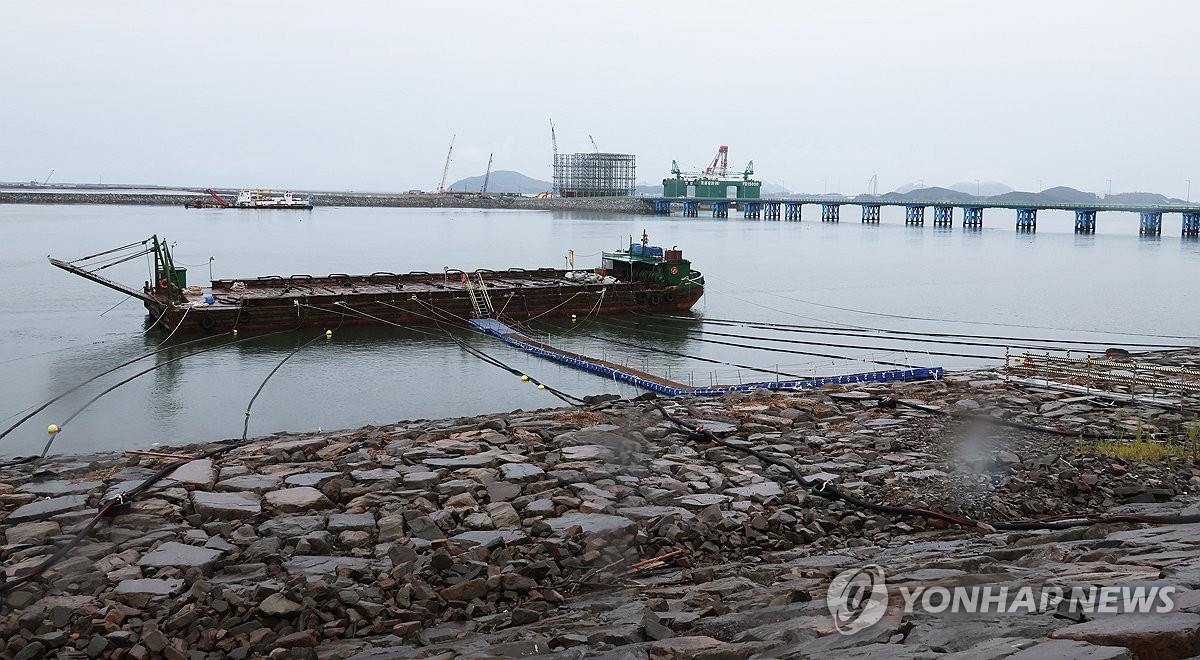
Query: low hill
[
  {"x": 983, "y": 188},
  {"x": 1056, "y": 195},
  {"x": 502, "y": 181}
]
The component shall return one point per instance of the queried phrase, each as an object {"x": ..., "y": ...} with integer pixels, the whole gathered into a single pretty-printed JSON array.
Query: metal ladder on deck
[{"x": 481, "y": 302}]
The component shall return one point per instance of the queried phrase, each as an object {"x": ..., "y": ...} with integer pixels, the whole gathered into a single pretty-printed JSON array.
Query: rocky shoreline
[
  {"x": 633, "y": 205},
  {"x": 610, "y": 532}
]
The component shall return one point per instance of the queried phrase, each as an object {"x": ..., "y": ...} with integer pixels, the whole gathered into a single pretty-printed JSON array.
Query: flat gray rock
[
  {"x": 313, "y": 479},
  {"x": 56, "y": 487},
  {"x": 487, "y": 537},
  {"x": 701, "y": 500},
  {"x": 1058, "y": 649},
  {"x": 226, "y": 506},
  {"x": 485, "y": 459},
  {"x": 151, "y": 586},
  {"x": 377, "y": 474},
  {"x": 758, "y": 491},
  {"x": 647, "y": 512},
  {"x": 316, "y": 566},
  {"x": 291, "y": 526},
  {"x": 257, "y": 483},
  {"x": 173, "y": 553},
  {"x": 587, "y": 453},
  {"x": 592, "y": 523},
  {"x": 196, "y": 473},
  {"x": 300, "y": 444},
  {"x": 34, "y": 532},
  {"x": 520, "y": 471},
  {"x": 298, "y": 499},
  {"x": 340, "y": 522},
  {"x": 43, "y": 509},
  {"x": 421, "y": 479}
]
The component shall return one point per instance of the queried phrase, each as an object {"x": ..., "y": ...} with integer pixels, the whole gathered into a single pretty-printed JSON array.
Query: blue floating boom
[{"x": 513, "y": 338}]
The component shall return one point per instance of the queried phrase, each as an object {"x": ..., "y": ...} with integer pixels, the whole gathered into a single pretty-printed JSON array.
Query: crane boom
[
  {"x": 47, "y": 180},
  {"x": 220, "y": 200},
  {"x": 553, "y": 139},
  {"x": 446, "y": 170},
  {"x": 486, "y": 175},
  {"x": 721, "y": 158},
  {"x": 594, "y": 147}
]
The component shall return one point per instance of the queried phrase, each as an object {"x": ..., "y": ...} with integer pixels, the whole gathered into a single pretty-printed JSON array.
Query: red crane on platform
[
  {"x": 722, "y": 157},
  {"x": 220, "y": 200}
]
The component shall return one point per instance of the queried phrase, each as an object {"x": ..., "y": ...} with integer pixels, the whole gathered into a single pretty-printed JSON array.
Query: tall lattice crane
[
  {"x": 594, "y": 147},
  {"x": 722, "y": 157},
  {"x": 446, "y": 170},
  {"x": 486, "y": 175}
]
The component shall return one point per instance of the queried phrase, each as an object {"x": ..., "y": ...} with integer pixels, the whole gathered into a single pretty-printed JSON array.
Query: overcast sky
[{"x": 366, "y": 95}]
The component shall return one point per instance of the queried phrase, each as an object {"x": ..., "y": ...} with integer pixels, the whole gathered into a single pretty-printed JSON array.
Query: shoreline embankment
[{"x": 612, "y": 529}]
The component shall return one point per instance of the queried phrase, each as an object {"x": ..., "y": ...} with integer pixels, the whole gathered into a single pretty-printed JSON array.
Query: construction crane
[
  {"x": 722, "y": 157},
  {"x": 554, "y": 163},
  {"x": 748, "y": 172},
  {"x": 594, "y": 147},
  {"x": 486, "y": 175},
  {"x": 446, "y": 170},
  {"x": 220, "y": 200},
  {"x": 47, "y": 180}
]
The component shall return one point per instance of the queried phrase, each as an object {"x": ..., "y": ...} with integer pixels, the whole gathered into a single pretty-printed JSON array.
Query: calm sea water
[{"x": 56, "y": 330}]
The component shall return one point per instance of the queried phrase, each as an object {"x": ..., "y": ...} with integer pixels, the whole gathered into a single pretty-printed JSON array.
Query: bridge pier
[
  {"x": 972, "y": 217},
  {"x": 1191, "y": 223},
  {"x": 751, "y": 210},
  {"x": 870, "y": 213},
  {"x": 1026, "y": 219},
  {"x": 1085, "y": 221},
  {"x": 914, "y": 215},
  {"x": 1151, "y": 223},
  {"x": 770, "y": 210},
  {"x": 662, "y": 207},
  {"x": 691, "y": 208},
  {"x": 943, "y": 216},
  {"x": 830, "y": 212},
  {"x": 720, "y": 209},
  {"x": 791, "y": 211}
]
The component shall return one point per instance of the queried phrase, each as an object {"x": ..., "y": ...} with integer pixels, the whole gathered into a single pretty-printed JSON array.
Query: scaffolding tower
[{"x": 594, "y": 175}]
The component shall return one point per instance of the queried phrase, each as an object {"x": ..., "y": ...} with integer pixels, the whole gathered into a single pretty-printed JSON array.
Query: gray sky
[{"x": 366, "y": 95}]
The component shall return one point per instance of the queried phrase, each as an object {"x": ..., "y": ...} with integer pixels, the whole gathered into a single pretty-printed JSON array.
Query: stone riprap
[{"x": 527, "y": 533}]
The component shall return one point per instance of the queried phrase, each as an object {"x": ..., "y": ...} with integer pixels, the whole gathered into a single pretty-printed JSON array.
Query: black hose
[{"x": 99, "y": 375}]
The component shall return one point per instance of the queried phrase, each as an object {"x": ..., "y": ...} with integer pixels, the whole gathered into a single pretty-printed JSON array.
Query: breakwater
[{"x": 398, "y": 200}]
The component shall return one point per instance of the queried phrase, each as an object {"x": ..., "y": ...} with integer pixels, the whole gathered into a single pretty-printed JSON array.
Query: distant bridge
[{"x": 943, "y": 211}]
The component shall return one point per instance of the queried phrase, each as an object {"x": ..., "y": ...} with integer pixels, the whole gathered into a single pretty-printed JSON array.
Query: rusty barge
[{"x": 641, "y": 278}]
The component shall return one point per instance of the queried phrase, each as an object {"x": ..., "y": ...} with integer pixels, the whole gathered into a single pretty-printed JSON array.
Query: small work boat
[
  {"x": 642, "y": 278},
  {"x": 266, "y": 199}
]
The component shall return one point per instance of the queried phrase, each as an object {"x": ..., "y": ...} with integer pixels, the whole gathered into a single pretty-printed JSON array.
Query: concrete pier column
[
  {"x": 751, "y": 210},
  {"x": 914, "y": 215},
  {"x": 870, "y": 214},
  {"x": 972, "y": 217},
  {"x": 771, "y": 210},
  {"x": 1085, "y": 221},
  {"x": 1151, "y": 224},
  {"x": 691, "y": 208},
  {"x": 662, "y": 207},
  {"x": 1026, "y": 219},
  {"x": 829, "y": 212},
  {"x": 720, "y": 209},
  {"x": 943, "y": 216},
  {"x": 1191, "y": 223}
]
